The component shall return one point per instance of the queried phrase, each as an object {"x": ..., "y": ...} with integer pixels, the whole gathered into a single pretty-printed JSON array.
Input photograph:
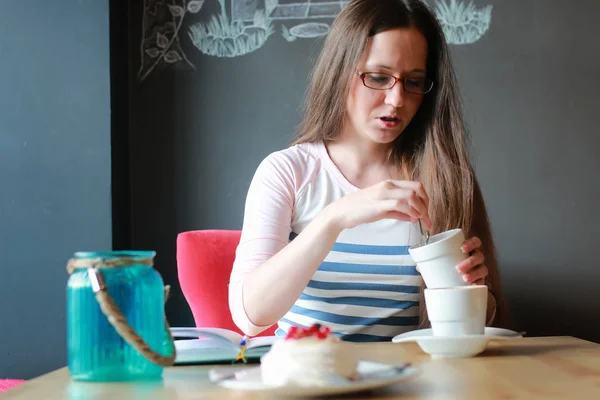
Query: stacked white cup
[{"x": 455, "y": 307}]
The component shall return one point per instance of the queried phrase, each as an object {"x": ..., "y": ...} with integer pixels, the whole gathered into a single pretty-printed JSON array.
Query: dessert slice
[{"x": 309, "y": 357}]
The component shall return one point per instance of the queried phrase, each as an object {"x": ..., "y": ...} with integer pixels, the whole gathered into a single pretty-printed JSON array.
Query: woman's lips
[{"x": 389, "y": 122}]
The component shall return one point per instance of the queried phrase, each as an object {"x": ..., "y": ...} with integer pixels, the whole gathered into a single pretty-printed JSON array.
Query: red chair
[
  {"x": 6, "y": 384},
  {"x": 204, "y": 262}
]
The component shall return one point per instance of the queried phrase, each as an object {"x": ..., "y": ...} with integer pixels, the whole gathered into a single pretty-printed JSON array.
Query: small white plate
[
  {"x": 454, "y": 347},
  {"x": 379, "y": 375}
]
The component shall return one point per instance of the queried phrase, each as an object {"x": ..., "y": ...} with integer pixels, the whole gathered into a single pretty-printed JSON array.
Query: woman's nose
[{"x": 395, "y": 96}]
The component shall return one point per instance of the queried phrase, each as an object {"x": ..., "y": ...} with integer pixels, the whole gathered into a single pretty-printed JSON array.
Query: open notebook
[{"x": 216, "y": 345}]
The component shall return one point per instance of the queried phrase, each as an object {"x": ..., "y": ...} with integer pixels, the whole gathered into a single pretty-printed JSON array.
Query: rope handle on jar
[{"x": 114, "y": 314}]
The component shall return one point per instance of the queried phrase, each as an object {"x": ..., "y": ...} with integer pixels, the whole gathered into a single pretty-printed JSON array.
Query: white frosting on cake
[{"x": 308, "y": 362}]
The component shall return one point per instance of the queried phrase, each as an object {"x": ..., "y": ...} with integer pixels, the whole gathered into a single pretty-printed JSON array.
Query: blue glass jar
[{"x": 125, "y": 282}]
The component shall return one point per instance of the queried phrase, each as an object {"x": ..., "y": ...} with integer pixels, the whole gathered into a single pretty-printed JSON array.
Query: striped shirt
[{"x": 366, "y": 289}]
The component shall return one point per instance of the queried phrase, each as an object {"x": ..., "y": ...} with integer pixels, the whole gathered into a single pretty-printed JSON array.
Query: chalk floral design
[
  {"x": 248, "y": 24},
  {"x": 224, "y": 37},
  {"x": 462, "y": 22},
  {"x": 160, "y": 43}
]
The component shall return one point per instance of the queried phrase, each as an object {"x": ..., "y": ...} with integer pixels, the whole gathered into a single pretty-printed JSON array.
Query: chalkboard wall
[{"x": 201, "y": 125}]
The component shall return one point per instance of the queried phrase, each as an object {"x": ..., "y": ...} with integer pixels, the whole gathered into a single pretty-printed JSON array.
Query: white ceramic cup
[
  {"x": 457, "y": 311},
  {"x": 438, "y": 259}
]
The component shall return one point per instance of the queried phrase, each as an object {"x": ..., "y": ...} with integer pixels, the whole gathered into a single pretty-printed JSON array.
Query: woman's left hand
[{"x": 473, "y": 268}]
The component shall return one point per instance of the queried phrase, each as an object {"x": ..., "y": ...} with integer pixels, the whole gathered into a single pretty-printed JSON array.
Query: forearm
[{"x": 270, "y": 290}]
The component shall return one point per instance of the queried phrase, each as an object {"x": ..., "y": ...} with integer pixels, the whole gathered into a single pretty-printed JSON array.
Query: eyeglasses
[{"x": 380, "y": 81}]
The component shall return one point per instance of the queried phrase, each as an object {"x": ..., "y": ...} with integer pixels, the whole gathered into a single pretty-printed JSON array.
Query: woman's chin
[{"x": 383, "y": 136}]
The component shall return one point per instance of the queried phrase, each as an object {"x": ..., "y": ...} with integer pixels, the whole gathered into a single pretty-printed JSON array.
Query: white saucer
[
  {"x": 454, "y": 347},
  {"x": 380, "y": 375}
]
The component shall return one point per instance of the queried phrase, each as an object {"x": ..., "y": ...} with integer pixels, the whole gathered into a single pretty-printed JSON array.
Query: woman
[{"x": 381, "y": 145}]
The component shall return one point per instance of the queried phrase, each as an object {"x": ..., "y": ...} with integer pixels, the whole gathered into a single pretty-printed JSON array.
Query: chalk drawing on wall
[
  {"x": 251, "y": 24},
  {"x": 248, "y": 24},
  {"x": 243, "y": 10},
  {"x": 286, "y": 10},
  {"x": 463, "y": 23},
  {"x": 161, "y": 24},
  {"x": 305, "y": 31},
  {"x": 225, "y": 37}
]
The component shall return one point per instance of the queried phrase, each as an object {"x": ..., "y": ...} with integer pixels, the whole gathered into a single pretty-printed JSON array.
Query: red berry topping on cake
[
  {"x": 317, "y": 330},
  {"x": 292, "y": 333},
  {"x": 295, "y": 332}
]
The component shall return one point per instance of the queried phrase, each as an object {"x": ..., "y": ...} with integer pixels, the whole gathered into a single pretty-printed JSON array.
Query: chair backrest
[
  {"x": 204, "y": 262},
  {"x": 6, "y": 384}
]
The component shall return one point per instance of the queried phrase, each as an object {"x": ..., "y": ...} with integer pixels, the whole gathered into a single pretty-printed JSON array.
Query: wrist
[{"x": 329, "y": 222}]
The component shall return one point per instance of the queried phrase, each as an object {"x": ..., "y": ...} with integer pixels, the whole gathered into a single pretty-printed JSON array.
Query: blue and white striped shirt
[
  {"x": 362, "y": 291},
  {"x": 366, "y": 289}
]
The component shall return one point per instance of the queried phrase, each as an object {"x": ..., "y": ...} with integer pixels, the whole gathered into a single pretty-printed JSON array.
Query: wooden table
[{"x": 528, "y": 368}]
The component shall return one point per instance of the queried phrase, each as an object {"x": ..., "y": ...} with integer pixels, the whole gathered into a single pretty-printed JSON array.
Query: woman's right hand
[{"x": 401, "y": 200}]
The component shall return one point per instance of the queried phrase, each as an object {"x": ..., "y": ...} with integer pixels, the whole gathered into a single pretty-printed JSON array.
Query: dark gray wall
[
  {"x": 529, "y": 84},
  {"x": 54, "y": 168},
  {"x": 531, "y": 91}
]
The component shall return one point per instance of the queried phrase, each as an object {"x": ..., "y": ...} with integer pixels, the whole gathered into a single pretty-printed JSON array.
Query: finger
[
  {"x": 399, "y": 216},
  {"x": 411, "y": 192},
  {"x": 471, "y": 244},
  {"x": 411, "y": 198},
  {"x": 401, "y": 206},
  {"x": 417, "y": 187},
  {"x": 476, "y": 274},
  {"x": 427, "y": 223},
  {"x": 475, "y": 259},
  {"x": 479, "y": 282},
  {"x": 416, "y": 202}
]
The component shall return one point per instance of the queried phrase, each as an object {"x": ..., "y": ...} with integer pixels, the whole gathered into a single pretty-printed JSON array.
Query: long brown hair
[{"x": 432, "y": 148}]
